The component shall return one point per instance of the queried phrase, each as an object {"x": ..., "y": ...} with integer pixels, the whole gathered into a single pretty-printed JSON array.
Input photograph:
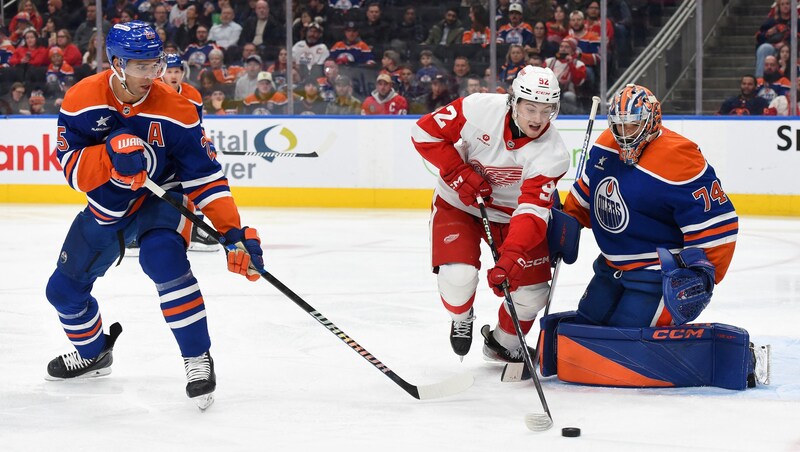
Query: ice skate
[
  {"x": 493, "y": 351},
  {"x": 71, "y": 365},
  {"x": 461, "y": 335},
  {"x": 201, "y": 379},
  {"x": 201, "y": 241},
  {"x": 761, "y": 368}
]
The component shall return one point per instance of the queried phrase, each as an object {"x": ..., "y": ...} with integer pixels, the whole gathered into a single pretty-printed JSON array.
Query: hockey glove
[
  {"x": 468, "y": 184},
  {"x": 129, "y": 166},
  {"x": 246, "y": 258},
  {"x": 688, "y": 283},
  {"x": 508, "y": 267}
]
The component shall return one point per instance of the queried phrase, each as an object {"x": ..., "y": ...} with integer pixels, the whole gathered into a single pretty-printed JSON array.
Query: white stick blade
[
  {"x": 515, "y": 372},
  {"x": 538, "y": 422},
  {"x": 446, "y": 388}
]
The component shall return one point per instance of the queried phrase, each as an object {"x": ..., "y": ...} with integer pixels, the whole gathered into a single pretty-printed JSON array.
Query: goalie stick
[
  {"x": 513, "y": 372},
  {"x": 534, "y": 421},
  {"x": 445, "y": 388}
]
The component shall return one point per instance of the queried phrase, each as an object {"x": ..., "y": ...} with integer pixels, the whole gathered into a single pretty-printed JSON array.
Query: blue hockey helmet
[
  {"x": 636, "y": 108},
  {"x": 174, "y": 60},
  {"x": 135, "y": 40}
]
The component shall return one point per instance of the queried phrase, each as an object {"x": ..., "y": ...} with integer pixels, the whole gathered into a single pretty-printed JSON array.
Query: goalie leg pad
[
  {"x": 548, "y": 331},
  {"x": 457, "y": 284},
  {"x": 684, "y": 356}
]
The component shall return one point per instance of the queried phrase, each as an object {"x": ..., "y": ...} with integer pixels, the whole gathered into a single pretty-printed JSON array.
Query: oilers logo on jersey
[{"x": 610, "y": 209}]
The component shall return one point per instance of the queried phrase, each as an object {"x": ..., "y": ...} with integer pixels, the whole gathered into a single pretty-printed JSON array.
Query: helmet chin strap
[
  {"x": 515, "y": 114},
  {"x": 121, "y": 77}
]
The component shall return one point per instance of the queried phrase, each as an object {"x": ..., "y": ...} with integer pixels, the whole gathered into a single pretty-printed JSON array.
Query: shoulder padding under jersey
[
  {"x": 190, "y": 92},
  {"x": 92, "y": 91},
  {"x": 163, "y": 100},
  {"x": 483, "y": 108},
  {"x": 670, "y": 157}
]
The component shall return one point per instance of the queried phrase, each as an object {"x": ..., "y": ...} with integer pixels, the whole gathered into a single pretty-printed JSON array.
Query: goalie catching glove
[
  {"x": 688, "y": 283},
  {"x": 246, "y": 258},
  {"x": 128, "y": 164}
]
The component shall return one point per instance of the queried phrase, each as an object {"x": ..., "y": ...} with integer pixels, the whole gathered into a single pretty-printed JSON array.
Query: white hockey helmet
[{"x": 536, "y": 84}]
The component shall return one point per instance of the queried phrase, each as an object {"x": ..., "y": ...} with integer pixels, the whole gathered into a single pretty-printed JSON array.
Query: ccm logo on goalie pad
[{"x": 678, "y": 333}]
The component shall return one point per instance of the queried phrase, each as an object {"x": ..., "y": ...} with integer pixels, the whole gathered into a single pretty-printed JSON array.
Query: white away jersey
[{"x": 522, "y": 172}]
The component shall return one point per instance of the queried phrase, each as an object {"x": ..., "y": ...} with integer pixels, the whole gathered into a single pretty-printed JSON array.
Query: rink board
[{"x": 371, "y": 163}]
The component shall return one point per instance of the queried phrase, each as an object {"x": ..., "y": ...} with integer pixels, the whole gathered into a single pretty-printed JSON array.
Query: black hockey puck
[{"x": 571, "y": 432}]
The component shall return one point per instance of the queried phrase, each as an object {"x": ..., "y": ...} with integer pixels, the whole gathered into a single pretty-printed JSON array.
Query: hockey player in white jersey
[{"x": 504, "y": 148}]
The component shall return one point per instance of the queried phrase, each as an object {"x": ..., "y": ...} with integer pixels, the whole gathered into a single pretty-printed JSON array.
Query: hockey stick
[
  {"x": 322, "y": 149},
  {"x": 534, "y": 421},
  {"x": 517, "y": 371},
  {"x": 445, "y": 388},
  {"x": 274, "y": 154}
]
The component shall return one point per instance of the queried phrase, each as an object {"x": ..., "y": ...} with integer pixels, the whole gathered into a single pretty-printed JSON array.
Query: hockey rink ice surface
[{"x": 285, "y": 383}]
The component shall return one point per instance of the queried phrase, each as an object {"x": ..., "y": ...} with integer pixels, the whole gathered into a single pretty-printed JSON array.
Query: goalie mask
[{"x": 634, "y": 118}]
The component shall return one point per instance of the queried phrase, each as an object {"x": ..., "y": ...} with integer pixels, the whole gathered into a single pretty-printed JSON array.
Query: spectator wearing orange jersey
[
  {"x": 593, "y": 23},
  {"x": 352, "y": 51},
  {"x": 588, "y": 49},
  {"x": 558, "y": 27},
  {"x": 479, "y": 32},
  {"x": 225, "y": 75},
  {"x": 265, "y": 100}
]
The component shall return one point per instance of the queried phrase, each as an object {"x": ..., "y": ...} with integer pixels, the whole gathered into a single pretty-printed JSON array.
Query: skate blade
[
  {"x": 87, "y": 375},
  {"x": 204, "y": 401}
]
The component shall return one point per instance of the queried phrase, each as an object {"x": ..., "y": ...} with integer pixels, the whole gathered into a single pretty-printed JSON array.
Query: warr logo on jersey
[
  {"x": 609, "y": 207},
  {"x": 149, "y": 156}
]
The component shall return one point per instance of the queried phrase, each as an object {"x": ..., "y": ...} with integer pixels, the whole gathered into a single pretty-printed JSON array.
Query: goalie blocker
[{"x": 706, "y": 354}]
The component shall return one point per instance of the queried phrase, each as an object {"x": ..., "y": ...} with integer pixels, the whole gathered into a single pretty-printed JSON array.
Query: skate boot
[
  {"x": 461, "y": 335},
  {"x": 494, "y": 351},
  {"x": 201, "y": 379},
  {"x": 760, "y": 375},
  {"x": 202, "y": 242},
  {"x": 71, "y": 365}
]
